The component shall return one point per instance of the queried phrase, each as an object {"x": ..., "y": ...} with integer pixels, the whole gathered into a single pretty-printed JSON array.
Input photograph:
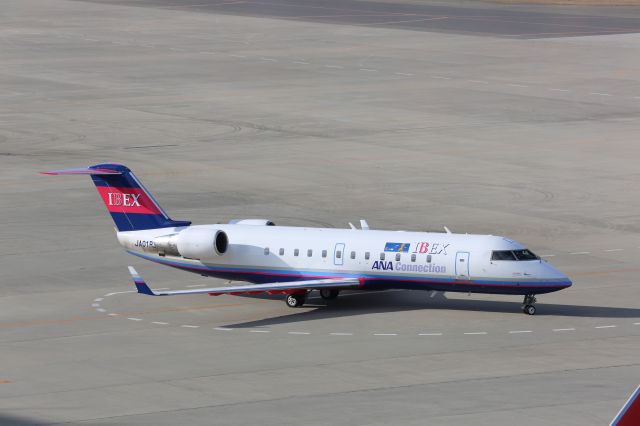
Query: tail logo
[
  {"x": 123, "y": 199},
  {"x": 127, "y": 200}
]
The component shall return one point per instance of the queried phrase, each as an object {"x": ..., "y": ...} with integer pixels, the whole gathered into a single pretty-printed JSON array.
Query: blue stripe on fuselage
[{"x": 409, "y": 282}]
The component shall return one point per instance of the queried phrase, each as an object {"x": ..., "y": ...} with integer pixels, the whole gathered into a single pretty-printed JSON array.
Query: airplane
[{"x": 296, "y": 260}]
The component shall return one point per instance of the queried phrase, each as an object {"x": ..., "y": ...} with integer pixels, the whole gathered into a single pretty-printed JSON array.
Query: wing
[{"x": 271, "y": 288}]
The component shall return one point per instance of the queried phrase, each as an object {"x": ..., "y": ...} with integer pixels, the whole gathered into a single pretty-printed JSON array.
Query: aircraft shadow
[
  {"x": 399, "y": 301},
  {"x": 8, "y": 420}
]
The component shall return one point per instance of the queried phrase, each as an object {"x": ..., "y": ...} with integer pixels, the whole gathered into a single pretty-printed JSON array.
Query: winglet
[
  {"x": 630, "y": 413},
  {"x": 141, "y": 286}
]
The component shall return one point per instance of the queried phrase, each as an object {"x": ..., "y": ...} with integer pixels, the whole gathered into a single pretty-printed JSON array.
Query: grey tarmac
[{"x": 321, "y": 122}]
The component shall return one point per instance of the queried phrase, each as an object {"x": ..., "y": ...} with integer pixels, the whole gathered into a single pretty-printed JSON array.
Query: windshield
[{"x": 513, "y": 255}]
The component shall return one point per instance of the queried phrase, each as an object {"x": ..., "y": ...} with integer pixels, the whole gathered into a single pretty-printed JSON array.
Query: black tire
[
  {"x": 329, "y": 293},
  {"x": 295, "y": 300},
  {"x": 530, "y": 310}
]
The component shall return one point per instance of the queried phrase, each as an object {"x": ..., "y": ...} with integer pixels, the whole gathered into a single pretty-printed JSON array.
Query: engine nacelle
[
  {"x": 194, "y": 243},
  {"x": 257, "y": 222}
]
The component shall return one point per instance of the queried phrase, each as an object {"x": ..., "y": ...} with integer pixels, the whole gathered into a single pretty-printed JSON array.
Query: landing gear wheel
[
  {"x": 527, "y": 304},
  {"x": 329, "y": 293},
  {"x": 295, "y": 300}
]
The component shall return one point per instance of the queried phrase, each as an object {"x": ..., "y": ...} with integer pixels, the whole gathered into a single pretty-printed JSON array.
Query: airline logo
[
  {"x": 397, "y": 247},
  {"x": 127, "y": 200},
  {"x": 123, "y": 199}
]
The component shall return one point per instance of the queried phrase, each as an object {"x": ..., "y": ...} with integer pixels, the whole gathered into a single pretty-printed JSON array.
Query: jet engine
[{"x": 193, "y": 243}]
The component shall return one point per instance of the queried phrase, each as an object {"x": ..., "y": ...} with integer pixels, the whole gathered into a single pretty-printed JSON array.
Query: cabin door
[
  {"x": 338, "y": 254},
  {"x": 462, "y": 265}
]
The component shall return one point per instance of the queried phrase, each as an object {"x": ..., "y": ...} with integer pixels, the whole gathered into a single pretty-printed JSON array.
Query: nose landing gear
[{"x": 527, "y": 304}]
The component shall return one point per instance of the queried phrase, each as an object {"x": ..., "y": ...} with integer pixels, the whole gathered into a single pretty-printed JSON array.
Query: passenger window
[
  {"x": 338, "y": 254},
  {"x": 353, "y": 254},
  {"x": 296, "y": 252},
  {"x": 324, "y": 253},
  {"x": 281, "y": 252},
  {"x": 413, "y": 257},
  {"x": 266, "y": 251},
  {"x": 366, "y": 255},
  {"x": 397, "y": 257},
  {"x": 309, "y": 253},
  {"x": 381, "y": 256},
  {"x": 428, "y": 258}
]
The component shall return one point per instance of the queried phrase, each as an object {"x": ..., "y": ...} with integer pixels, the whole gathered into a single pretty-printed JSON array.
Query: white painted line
[
  {"x": 476, "y": 332},
  {"x": 99, "y": 299},
  {"x": 558, "y": 90},
  {"x": 614, "y": 250},
  {"x": 135, "y": 319},
  {"x": 176, "y": 49},
  {"x": 95, "y": 305},
  {"x": 599, "y": 94},
  {"x": 478, "y": 81},
  {"x": 161, "y": 289},
  {"x": 237, "y": 56},
  {"x": 548, "y": 255},
  {"x": 341, "y": 334},
  {"x": 516, "y": 85},
  {"x": 120, "y": 292},
  {"x": 403, "y": 73},
  {"x": 91, "y": 39},
  {"x": 368, "y": 69},
  {"x": 189, "y": 326},
  {"x": 334, "y": 66},
  {"x": 160, "y": 323},
  {"x": 433, "y": 294},
  {"x": 520, "y": 331},
  {"x": 580, "y": 252},
  {"x": 430, "y": 334},
  {"x": 385, "y": 334},
  {"x": 269, "y": 59},
  {"x": 112, "y": 314},
  {"x": 223, "y": 329},
  {"x": 259, "y": 331},
  {"x": 606, "y": 326},
  {"x": 636, "y": 323},
  {"x": 564, "y": 329},
  {"x": 300, "y": 62},
  {"x": 441, "y": 77},
  {"x": 101, "y": 310},
  {"x": 298, "y": 332},
  {"x": 195, "y": 285},
  {"x": 207, "y": 53}
]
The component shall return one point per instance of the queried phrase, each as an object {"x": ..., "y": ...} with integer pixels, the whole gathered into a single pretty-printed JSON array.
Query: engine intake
[{"x": 193, "y": 243}]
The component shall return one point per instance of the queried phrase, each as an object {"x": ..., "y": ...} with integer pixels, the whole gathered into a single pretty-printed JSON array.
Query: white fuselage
[{"x": 380, "y": 259}]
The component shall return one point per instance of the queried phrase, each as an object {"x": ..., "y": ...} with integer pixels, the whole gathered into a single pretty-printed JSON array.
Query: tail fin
[{"x": 131, "y": 206}]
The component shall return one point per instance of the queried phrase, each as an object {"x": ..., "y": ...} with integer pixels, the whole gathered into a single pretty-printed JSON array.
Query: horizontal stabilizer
[
  {"x": 82, "y": 171},
  {"x": 271, "y": 288}
]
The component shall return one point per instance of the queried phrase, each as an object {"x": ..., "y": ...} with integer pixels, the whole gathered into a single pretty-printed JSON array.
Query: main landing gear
[
  {"x": 329, "y": 293},
  {"x": 296, "y": 300},
  {"x": 527, "y": 304}
]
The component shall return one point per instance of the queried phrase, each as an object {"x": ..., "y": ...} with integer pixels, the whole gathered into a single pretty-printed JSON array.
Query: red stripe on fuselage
[{"x": 127, "y": 200}]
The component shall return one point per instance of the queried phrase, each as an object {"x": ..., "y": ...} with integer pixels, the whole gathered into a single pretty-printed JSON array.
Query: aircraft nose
[{"x": 555, "y": 274}]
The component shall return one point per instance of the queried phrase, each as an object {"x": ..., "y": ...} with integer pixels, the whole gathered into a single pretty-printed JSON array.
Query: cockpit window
[
  {"x": 513, "y": 255},
  {"x": 503, "y": 255},
  {"x": 525, "y": 255}
]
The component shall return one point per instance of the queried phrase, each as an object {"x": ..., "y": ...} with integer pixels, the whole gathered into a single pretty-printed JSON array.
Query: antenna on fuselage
[
  {"x": 352, "y": 227},
  {"x": 447, "y": 230},
  {"x": 364, "y": 225}
]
